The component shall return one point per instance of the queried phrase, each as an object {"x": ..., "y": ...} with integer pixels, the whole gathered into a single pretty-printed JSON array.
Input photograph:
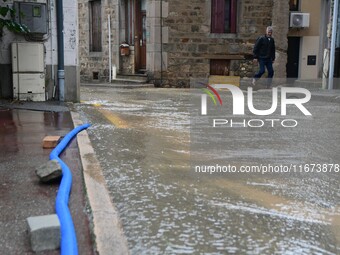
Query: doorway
[{"x": 293, "y": 53}]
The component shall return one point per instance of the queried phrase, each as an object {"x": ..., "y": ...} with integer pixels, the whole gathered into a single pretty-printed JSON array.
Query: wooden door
[{"x": 140, "y": 36}]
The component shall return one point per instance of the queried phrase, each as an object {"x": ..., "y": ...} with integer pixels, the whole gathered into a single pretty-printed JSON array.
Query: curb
[{"x": 107, "y": 228}]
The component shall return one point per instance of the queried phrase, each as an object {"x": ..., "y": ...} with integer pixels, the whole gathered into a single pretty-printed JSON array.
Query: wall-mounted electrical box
[{"x": 33, "y": 15}]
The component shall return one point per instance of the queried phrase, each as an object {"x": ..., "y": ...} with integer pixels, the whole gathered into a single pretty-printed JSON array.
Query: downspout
[
  {"x": 161, "y": 33},
  {"x": 60, "y": 34}
]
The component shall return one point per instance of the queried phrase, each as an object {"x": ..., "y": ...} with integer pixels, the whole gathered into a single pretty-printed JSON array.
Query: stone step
[
  {"x": 131, "y": 78},
  {"x": 126, "y": 81}
]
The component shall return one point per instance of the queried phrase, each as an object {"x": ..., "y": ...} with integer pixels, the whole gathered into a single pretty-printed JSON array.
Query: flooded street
[{"x": 153, "y": 154}]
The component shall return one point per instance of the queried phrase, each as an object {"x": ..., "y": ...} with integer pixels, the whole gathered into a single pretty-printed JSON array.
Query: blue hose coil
[{"x": 68, "y": 235}]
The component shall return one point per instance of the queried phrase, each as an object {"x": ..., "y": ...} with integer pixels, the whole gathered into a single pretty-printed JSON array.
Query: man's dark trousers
[{"x": 265, "y": 63}]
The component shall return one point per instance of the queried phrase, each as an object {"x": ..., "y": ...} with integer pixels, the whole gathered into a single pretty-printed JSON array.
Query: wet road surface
[{"x": 148, "y": 151}]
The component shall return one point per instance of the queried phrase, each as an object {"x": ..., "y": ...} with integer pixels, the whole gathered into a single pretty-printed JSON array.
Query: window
[
  {"x": 95, "y": 26},
  {"x": 223, "y": 16},
  {"x": 293, "y": 5}
]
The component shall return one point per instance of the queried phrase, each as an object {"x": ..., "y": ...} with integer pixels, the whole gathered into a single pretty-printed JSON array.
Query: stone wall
[
  {"x": 191, "y": 45},
  {"x": 96, "y": 64},
  {"x": 281, "y": 27},
  {"x": 186, "y": 46}
]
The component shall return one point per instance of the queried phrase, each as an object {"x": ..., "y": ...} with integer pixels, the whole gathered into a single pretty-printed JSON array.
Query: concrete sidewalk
[
  {"x": 22, "y": 195},
  {"x": 23, "y": 125}
]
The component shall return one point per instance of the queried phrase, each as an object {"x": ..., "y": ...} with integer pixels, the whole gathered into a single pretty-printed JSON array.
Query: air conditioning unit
[{"x": 299, "y": 19}]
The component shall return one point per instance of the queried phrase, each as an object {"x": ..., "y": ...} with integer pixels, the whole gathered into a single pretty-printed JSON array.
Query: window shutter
[
  {"x": 95, "y": 26},
  {"x": 217, "y": 16}
]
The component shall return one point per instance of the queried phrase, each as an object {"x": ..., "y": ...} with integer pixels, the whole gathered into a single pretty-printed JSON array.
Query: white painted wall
[
  {"x": 70, "y": 35},
  {"x": 51, "y": 44},
  {"x": 310, "y": 38},
  {"x": 309, "y": 46}
]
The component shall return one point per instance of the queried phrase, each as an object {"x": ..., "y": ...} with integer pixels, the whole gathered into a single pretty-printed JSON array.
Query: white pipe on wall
[{"x": 110, "y": 62}]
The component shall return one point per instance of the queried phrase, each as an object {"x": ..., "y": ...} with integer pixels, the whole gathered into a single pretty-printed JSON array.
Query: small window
[
  {"x": 223, "y": 16},
  {"x": 95, "y": 75},
  {"x": 95, "y": 26}
]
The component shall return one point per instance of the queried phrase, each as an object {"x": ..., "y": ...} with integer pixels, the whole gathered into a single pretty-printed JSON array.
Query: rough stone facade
[
  {"x": 191, "y": 45},
  {"x": 280, "y": 23},
  {"x": 180, "y": 46},
  {"x": 95, "y": 65}
]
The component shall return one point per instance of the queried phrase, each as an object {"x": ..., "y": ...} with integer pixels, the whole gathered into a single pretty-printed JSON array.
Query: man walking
[{"x": 264, "y": 54}]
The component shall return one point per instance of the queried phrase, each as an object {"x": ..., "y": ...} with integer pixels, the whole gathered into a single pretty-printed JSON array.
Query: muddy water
[{"x": 142, "y": 139}]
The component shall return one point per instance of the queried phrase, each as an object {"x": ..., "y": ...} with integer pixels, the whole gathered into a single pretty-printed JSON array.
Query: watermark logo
[
  {"x": 208, "y": 92},
  {"x": 301, "y": 97},
  {"x": 239, "y": 100}
]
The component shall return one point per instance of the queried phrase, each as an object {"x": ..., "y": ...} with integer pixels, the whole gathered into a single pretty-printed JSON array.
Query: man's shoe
[{"x": 253, "y": 82}]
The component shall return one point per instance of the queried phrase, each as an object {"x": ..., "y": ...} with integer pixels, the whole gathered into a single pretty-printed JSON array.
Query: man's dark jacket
[{"x": 264, "y": 48}]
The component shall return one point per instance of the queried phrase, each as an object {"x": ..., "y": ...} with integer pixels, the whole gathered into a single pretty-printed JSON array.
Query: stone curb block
[{"x": 44, "y": 232}]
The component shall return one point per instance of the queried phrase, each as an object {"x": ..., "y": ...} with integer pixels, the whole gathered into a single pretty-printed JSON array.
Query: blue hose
[{"x": 68, "y": 236}]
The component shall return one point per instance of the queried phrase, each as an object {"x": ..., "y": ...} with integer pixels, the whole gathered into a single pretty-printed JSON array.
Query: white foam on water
[{"x": 270, "y": 212}]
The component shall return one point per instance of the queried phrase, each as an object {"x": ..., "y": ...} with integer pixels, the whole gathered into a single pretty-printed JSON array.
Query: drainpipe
[
  {"x": 333, "y": 41},
  {"x": 60, "y": 34}
]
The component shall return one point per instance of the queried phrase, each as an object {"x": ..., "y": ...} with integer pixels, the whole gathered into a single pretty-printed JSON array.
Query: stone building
[
  {"x": 306, "y": 44},
  {"x": 173, "y": 41},
  {"x": 201, "y": 43}
]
